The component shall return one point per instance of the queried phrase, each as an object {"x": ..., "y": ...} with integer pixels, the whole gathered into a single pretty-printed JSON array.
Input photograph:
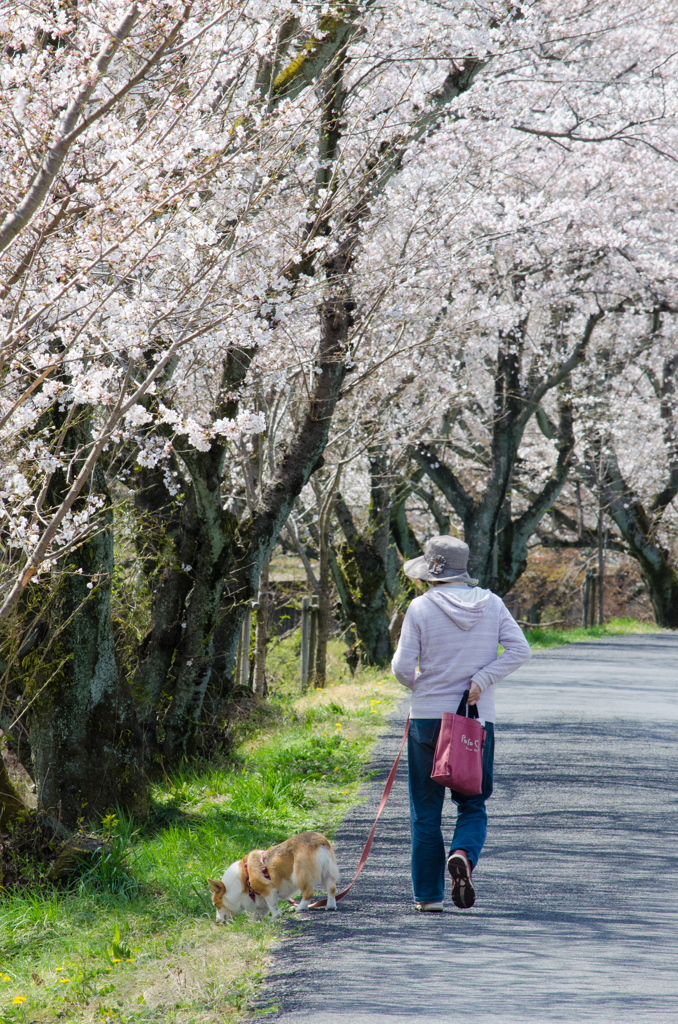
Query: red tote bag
[{"x": 458, "y": 760}]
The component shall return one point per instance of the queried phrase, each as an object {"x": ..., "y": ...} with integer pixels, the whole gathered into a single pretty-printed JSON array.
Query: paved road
[{"x": 577, "y": 911}]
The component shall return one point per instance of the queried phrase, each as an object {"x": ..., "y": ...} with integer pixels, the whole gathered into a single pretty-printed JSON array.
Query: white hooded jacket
[{"x": 450, "y": 636}]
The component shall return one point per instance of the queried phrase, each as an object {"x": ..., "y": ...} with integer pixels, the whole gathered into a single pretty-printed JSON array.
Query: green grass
[
  {"x": 540, "y": 639},
  {"x": 136, "y": 940}
]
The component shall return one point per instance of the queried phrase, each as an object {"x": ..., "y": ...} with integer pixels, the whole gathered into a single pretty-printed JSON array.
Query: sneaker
[
  {"x": 429, "y": 908},
  {"x": 463, "y": 893}
]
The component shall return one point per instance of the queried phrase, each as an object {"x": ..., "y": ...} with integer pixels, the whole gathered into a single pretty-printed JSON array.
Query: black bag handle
[{"x": 463, "y": 708}]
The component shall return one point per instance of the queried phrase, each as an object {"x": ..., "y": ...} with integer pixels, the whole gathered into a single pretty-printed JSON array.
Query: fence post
[
  {"x": 305, "y": 637},
  {"x": 238, "y": 660},
  {"x": 587, "y": 599},
  {"x": 242, "y": 665},
  {"x": 253, "y": 607},
  {"x": 594, "y": 586},
  {"x": 312, "y": 638}
]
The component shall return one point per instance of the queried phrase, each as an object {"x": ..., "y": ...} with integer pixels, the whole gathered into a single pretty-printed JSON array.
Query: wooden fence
[{"x": 309, "y": 641}]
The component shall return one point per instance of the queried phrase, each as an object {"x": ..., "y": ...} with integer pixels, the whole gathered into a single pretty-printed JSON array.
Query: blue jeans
[{"x": 426, "y": 809}]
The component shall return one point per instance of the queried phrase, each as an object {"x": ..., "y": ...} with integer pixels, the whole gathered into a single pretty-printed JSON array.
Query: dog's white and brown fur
[{"x": 302, "y": 863}]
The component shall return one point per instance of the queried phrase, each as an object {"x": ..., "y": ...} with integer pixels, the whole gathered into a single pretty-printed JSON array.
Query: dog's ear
[{"x": 218, "y": 888}]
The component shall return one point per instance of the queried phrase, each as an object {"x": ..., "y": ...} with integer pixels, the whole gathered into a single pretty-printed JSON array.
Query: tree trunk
[
  {"x": 497, "y": 542},
  {"x": 11, "y": 804},
  {"x": 639, "y": 531},
  {"x": 366, "y": 569},
  {"x": 238, "y": 557},
  {"x": 320, "y": 674},
  {"x": 192, "y": 665},
  {"x": 84, "y": 736},
  {"x": 176, "y": 656},
  {"x": 163, "y": 523},
  {"x": 654, "y": 559},
  {"x": 259, "y": 684},
  {"x": 662, "y": 582},
  {"x": 402, "y": 533},
  {"x": 601, "y": 566},
  {"x": 361, "y": 581}
]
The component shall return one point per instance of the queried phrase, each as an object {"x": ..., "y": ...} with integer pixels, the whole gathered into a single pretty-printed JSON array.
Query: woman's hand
[{"x": 474, "y": 694}]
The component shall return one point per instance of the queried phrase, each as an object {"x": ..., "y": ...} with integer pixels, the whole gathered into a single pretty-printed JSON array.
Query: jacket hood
[{"x": 465, "y": 612}]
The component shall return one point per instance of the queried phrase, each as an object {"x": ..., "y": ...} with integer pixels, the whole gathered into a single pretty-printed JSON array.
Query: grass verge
[
  {"x": 137, "y": 941},
  {"x": 540, "y": 639}
]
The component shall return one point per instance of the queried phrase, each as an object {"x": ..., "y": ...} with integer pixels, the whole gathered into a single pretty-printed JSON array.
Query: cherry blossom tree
[
  {"x": 131, "y": 266},
  {"x": 550, "y": 241},
  {"x": 177, "y": 260},
  {"x": 628, "y": 447},
  {"x": 236, "y": 235}
]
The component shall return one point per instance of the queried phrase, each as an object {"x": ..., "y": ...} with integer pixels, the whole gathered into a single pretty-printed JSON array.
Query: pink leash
[{"x": 368, "y": 845}]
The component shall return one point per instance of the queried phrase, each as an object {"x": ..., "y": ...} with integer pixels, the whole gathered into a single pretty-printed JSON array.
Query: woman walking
[{"x": 448, "y": 644}]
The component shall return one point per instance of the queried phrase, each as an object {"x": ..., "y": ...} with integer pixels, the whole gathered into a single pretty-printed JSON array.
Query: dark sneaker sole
[{"x": 463, "y": 893}]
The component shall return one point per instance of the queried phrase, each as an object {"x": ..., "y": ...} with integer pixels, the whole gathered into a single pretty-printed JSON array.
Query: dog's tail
[{"x": 329, "y": 870}]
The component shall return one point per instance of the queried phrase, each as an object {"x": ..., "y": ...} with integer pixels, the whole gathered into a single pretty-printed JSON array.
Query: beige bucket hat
[{"x": 444, "y": 561}]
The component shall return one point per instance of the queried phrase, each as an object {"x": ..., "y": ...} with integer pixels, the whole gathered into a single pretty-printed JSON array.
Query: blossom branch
[{"x": 70, "y": 130}]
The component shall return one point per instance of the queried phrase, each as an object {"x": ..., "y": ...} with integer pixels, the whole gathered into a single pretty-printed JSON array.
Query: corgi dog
[{"x": 255, "y": 883}]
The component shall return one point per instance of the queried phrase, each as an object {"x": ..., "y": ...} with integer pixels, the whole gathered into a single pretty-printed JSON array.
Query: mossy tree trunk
[
  {"x": 259, "y": 684},
  {"x": 320, "y": 533},
  {"x": 84, "y": 735},
  {"x": 324, "y": 603},
  {"x": 406, "y": 544},
  {"x": 367, "y": 567},
  {"x": 185, "y": 539},
  {"x": 11, "y": 804},
  {"x": 362, "y": 567},
  {"x": 318, "y": 525},
  {"x": 402, "y": 533},
  {"x": 254, "y": 537}
]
